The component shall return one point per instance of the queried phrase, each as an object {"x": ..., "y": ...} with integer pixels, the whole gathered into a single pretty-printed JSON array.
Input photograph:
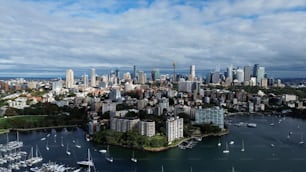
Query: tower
[
  {"x": 93, "y": 77},
  {"x": 174, "y": 75},
  {"x": 85, "y": 80},
  {"x": 69, "y": 78},
  {"x": 230, "y": 73},
  {"x": 134, "y": 72},
  {"x": 192, "y": 72},
  {"x": 247, "y": 73}
]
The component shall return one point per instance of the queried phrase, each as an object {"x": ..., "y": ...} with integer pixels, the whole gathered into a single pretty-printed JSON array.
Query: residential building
[
  {"x": 108, "y": 106},
  {"x": 213, "y": 115},
  {"x": 174, "y": 128},
  {"x": 123, "y": 124},
  {"x": 147, "y": 128}
]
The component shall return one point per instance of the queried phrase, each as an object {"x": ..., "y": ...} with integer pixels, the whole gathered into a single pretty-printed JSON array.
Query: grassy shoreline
[
  {"x": 159, "y": 149},
  {"x": 175, "y": 144}
]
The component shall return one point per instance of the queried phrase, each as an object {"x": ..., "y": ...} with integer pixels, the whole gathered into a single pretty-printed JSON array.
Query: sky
[{"x": 46, "y": 37}]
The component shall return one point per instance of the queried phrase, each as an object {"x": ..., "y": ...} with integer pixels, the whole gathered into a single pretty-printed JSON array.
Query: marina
[{"x": 264, "y": 144}]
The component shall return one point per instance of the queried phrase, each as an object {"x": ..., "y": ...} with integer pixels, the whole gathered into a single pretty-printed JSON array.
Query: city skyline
[{"x": 44, "y": 38}]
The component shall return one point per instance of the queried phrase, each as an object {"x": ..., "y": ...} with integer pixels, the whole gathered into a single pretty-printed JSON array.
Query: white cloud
[{"x": 57, "y": 34}]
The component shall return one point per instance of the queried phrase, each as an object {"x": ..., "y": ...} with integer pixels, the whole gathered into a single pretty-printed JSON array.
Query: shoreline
[
  {"x": 160, "y": 149},
  {"x": 39, "y": 128}
]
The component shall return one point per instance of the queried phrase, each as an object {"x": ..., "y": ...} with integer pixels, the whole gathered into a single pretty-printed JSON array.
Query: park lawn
[{"x": 25, "y": 119}]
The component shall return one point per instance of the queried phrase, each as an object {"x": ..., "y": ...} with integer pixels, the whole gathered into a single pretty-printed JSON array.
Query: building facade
[
  {"x": 210, "y": 115},
  {"x": 69, "y": 78},
  {"x": 147, "y": 128},
  {"x": 174, "y": 128},
  {"x": 123, "y": 124}
]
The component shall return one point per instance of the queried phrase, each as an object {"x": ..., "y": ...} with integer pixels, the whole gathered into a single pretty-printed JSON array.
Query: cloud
[{"x": 109, "y": 34}]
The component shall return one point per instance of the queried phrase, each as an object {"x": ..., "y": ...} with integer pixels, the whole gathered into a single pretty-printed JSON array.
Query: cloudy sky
[{"x": 45, "y": 37}]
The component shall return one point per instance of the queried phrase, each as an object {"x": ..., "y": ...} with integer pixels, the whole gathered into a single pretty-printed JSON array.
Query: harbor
[{"x": 246, "y": 147}]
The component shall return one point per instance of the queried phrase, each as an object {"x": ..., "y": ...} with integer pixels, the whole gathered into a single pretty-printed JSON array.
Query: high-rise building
[
  {"x": 255, "y": 70},
  {"x": 174, "y": 128},
  {"x": 155, "y": 74},
  {"x": 134, "y": 72},
  {"x": 69, "y": 78},
  {"x": 247, "y": 73},
  {"x": 192, "y": 72},
  {"x": 240, "y": 75},
  {"x": 123, "y": 124},
  {"x": 174, "y": 74},
  {"x": 215, "y": 78},
  {"x": 210, "y": 115},
  {"x": 93, "y": 77},
  {"x": 85, "y": 80},
  {"x": 57, "y": 85},
  {"x": 230, "y": 73},
  {"x": 142, "y": 78},
  {"x": 260, "y": 74},
  {"x": 147, "y": 128}
]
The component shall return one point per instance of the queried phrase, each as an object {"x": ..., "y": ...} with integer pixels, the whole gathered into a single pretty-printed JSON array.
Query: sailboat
[
  {"x": 226, "y": 151},
  {"x": 67, "y": 150},
  {"x": 242, "y": 149},
  {"x": 133, "y": 158},
  {"x": 62, "y": 142},
  {"x": 77, "y": 144},
  {"x": 88, "y": 162},
  {"x": 219, "y": 143},
  {"x": 33, "y": 160},
  {"x": 302, "y": 140},
  {"x": 107, "y": 156},
  {"x": 47, "y": 146}
]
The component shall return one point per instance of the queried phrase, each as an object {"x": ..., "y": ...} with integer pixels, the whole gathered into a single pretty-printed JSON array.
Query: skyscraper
[
  {"x": 192, "y": 72},
  {"x": 142, "y": 77},
  {"x": 85, "y": 80},
  {"x": 255, "y": 70},
  {"x": 93, "y": 77},
  {"x": 174, "y": 74},
  {"x": 247, "y": 73},
  {"x": 230, "y": 73},
  {"x": 260, "y": 74},
  {"x": 240, "y": 75},
  {"x": 155, "y": 74},
  {"x": 134, "y": 72},
  {"x": 69, "y": 78}
]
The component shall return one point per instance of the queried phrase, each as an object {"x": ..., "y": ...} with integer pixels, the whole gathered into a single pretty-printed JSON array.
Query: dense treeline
[
  {"x": 130, "y": 139},
  {"x": 30, "y": 117}
]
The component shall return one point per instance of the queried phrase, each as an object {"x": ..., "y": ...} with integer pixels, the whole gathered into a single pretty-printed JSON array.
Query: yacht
[
  {"x": 226, "y": 151},
  {"x": 133, "y": 158},
  {"x": 302, "y": 140},
  {"x": 107, "y": 155},
  {"x": 252, "y": 125},
  {"x": 89, "y": 163},
  {"x": 272, "y": 145},
  {"x": 34, "y": 159},
  {"x": 219, "y": 143},
  {"x": 77, "y": 144},
  {"x": 62, "y": 142},
  {"x": 67, "y": 150},
  {"x": 47, "y": 146},
  {"x": 102, "y": 151},
  {"x": 231, "y": 142},
  {"x": 42, "y": 139},
  {"x": 242, "y": 149}
]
